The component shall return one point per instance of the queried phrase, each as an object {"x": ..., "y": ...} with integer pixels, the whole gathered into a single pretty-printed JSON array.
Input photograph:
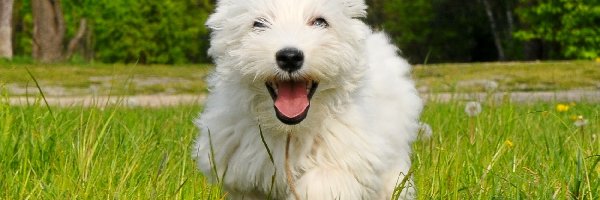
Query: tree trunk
[
  {"x": 495, "y": 33},
  {"x": 6, "y": 9},
  {"x": 510, "y": 20},
  {"x": 48, "y": 30},
  {"x": 74, "y": 43}
]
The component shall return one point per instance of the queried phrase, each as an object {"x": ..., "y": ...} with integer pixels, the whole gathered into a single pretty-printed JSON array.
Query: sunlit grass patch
[
  {"x": 520, "y": 152},
  {"x": 510, "y": 76},
  {"x": 108, "y": 79},
  {"x": 527, "y": 151},
  {"x": 99, "y": 153},
  {"x": 105, "y": 79}
]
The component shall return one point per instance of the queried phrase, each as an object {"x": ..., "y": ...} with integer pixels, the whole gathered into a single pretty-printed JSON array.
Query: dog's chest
[{"x": 250, "y": 168}]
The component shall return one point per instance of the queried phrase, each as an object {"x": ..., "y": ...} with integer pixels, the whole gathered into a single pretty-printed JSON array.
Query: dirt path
[
  {"x": 522, "y": 97},
  {"x": 132, "y": 101},
  {"x": 173, "y": 100}
]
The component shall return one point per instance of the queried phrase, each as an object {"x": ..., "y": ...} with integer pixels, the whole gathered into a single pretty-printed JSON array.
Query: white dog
[{"x": 312, "y": 72}]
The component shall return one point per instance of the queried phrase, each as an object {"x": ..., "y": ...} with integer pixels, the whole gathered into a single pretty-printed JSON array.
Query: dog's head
[{"x": 290, "y": 50}]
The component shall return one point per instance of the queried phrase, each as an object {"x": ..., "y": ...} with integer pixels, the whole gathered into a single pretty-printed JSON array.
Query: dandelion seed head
[
  {"x": 425, "y": 130},
  {"x": 491, "y": 86},
  {"x": 132, "y": 102},
  {"x": 473, "y": 108},
  {"x": 580, "y": 121}
]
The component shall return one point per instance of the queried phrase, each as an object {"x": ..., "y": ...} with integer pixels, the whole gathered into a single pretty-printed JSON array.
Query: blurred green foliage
[
  {"x": 426, "y": 31},
  {"x": 433, "y": 31},
  {"x": 574, "y": 25},
  {"x": 130, "y": 31}
]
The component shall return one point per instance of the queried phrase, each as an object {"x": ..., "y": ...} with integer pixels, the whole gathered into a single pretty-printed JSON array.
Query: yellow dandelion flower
[
  {"x": 562, "y": 108},
  {"x": 508, "y": 143},
  {"x": 574, "y": 117},
  {"x": 598, "y": 59}
]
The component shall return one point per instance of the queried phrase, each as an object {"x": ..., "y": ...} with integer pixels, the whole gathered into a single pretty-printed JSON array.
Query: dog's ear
[{"x": 355, "y": 8}]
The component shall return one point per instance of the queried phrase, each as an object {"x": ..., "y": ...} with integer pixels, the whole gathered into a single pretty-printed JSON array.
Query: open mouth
[{"x": 292, "y": 99}]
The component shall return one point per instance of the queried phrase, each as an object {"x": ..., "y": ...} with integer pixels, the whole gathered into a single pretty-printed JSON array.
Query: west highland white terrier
[{"x": 306, "y": 102}]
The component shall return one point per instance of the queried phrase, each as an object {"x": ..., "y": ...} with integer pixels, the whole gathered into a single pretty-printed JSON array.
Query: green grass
[
  {"x": 511, "y": 76},
  {"x": 93, "y": 153},
  {"x": 532, "y": 152},
  {"x": 84, "y": 79}
]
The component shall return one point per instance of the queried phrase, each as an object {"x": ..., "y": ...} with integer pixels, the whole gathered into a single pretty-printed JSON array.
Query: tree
[
  {"x": 48, "y": 30},
  {"x": 125, "y": 31},
  {"x": 494, "y": 28},
  {"x": 430, "y": 31},
  {"x": 561, "y": 28},
  {"x": 149, "y": 31},
  {"x": 6, "y": 8}
]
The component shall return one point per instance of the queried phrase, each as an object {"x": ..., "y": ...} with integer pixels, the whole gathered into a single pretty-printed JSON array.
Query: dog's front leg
[{"x": 326, "y": 184}]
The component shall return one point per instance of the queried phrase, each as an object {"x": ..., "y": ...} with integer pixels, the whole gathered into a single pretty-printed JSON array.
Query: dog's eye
[
  {"x": 320, "y": 22},
  {"x": 260, "y": 23}
]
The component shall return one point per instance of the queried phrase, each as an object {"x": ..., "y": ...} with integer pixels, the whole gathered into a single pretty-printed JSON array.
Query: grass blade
[{"x": 37, "y": 84}]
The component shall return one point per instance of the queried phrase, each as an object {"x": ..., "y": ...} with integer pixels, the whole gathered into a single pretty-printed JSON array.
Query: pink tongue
[{"x": 292, "y": 98}]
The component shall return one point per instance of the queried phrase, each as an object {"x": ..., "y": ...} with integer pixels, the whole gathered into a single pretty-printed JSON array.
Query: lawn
[
  {"x": 520, "y": 151},
  {"x": 93, "y": 153},
  {"x": 103, "y": 79},
  {"x": 510, "y": 76},
  {"x": 100, "y": 79},
  {"x": 527, "y": 151},
  {"x": 531, "y": 151}
]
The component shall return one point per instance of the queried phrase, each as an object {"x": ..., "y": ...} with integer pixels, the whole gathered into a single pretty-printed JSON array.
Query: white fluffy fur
[{"x": 355, "y": 142}]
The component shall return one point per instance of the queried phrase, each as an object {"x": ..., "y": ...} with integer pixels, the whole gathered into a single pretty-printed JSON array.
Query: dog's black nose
[{"x": 289, "y": 59}]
